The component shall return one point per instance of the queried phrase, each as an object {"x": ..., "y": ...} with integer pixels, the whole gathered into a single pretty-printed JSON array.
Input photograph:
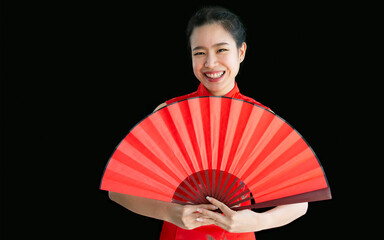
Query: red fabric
[
  {"x": 202, "y": 91},
  {"x": 171, "y": 231}
]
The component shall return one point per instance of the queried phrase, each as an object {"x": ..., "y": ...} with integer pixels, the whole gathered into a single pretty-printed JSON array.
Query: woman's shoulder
[
  {"x": 176, "y": 99},
  {"x": 160, "y": 106}
]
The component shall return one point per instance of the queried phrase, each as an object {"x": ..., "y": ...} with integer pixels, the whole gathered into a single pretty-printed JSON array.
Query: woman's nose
[{"x": 211, "y": 61}]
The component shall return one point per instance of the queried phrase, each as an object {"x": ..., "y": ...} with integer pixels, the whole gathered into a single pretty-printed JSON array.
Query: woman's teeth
[{"x": 214, "y": 75}]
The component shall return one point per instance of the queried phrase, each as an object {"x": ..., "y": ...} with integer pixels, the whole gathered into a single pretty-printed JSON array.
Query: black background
[{"x": 76, "y": 77}]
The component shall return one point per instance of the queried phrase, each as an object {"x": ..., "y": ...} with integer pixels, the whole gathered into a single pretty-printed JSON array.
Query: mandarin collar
[{"x": 203, "y": 91}]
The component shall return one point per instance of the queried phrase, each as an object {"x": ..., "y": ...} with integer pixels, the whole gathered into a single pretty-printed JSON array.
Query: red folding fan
[{"x": 229, "y": 149}]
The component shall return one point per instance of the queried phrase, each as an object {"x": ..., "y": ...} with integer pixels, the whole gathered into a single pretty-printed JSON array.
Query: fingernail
[
  {"x": 207, "y": 197},
  {"x": 199, "y": 210},
  {"x": 199, "y": 219}
]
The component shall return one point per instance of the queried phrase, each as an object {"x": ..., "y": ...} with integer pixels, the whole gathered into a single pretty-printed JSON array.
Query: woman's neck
[{"x": 224, "y": 91}]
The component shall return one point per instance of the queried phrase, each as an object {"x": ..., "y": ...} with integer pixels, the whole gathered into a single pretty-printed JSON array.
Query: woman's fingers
[
  {"x": 192, "y": 216},
  {"x": 216, "y": 217},
  {"x": 224, "y": 208},
  {"x": 198, "y": 220},
  {"x": 206, "y": 206}
]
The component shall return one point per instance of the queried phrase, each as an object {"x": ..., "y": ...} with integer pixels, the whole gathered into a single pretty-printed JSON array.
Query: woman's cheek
[
  {"x": 230, "y": 64},
  {"x": 196, "y": 65}
]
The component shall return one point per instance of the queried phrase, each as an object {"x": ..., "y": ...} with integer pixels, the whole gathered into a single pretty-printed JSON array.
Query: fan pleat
[
  {"x": 130, "y": 167},
  {"x": 289, "y": 168},
  {"x": 115, "y": 181},
  {"x": 118, "y": 186},
  {"x": 172, "y": 143},
  {"x": 138, "y": 155},
  {"x": 151, "y": 143},
  {"x": 192, "y": 131},
  {"x": 265, "y": 118},
  {"x": 170, "y": 119},
  {"x": 288, "y": 148},
  {"x": 239, "y": 122},
  {"x": 233, "y": 119},
  {"x": 224, "y": 117},
  {"x": 248, "y": 139},
  {"x": 215, "y": 109}
]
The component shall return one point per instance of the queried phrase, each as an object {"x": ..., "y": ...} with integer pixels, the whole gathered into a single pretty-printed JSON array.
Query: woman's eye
[
  {"x": 222, "y": 50},
  {"x": 198, "y": 53}
]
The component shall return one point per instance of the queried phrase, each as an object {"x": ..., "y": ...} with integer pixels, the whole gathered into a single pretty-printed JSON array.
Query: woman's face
[{"x": 215, "y": 58}]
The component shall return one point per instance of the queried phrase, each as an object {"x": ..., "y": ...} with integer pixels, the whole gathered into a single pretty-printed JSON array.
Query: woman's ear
[{"x": 242, "y": 51}]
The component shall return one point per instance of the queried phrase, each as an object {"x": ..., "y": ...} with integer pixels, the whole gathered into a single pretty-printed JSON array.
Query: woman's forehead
[{"x": 210, "y": 35}]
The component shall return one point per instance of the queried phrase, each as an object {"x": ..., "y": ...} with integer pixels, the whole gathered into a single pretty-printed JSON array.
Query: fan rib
[
  {"x": 233, "y": 204},
  {"x": 238, "y": 193},
  {"x": 185, "y": 197},
  {"x": 209, "y": 186},
  {"x": 198, "y": 194},
  {"x": 219, "y": 186},
  {"x": 223, "y": 187},
  {"x": 229, "y": 189}
]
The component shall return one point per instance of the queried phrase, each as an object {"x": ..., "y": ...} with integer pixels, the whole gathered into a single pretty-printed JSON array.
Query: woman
[{"x": 217, "y": 43}]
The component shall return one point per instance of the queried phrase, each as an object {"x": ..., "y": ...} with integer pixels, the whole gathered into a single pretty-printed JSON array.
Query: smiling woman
[
  {"x": 215, "y": 58},
  {"x": 217, "y": 43}
]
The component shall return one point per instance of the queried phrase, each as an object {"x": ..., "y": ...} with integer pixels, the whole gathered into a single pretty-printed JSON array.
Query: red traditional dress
[{"x": 171, "y": 231}]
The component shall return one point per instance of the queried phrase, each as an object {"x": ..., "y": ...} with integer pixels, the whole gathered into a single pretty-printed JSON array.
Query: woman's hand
[
  {"x": 249, "y": 221},
  {"x": 189, "y": 216},
  {"x": 233, "y": 221}
]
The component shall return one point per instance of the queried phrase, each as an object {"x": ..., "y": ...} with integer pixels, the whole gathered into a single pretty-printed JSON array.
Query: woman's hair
[{"x": 228, "y": 20}]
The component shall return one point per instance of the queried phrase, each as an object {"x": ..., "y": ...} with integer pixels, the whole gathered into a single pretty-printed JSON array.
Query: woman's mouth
[{"x": 214, "y": 76}]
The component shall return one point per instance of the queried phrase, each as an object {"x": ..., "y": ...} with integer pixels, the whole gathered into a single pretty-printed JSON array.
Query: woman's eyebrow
[{"x": 214, "y": 45}]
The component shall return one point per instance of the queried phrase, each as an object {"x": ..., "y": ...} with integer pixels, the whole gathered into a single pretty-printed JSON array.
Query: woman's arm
[
  {"x": 183, "y": 216},
  {"x": 143, "y": 206},
  {"x": 282, "y": 215}
]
